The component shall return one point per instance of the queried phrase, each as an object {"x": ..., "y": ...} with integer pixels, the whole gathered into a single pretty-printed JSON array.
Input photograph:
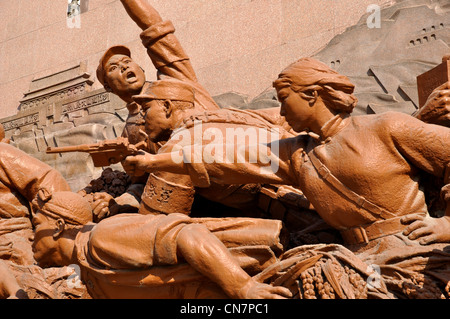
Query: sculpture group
[{"x": 361, "y": 175}]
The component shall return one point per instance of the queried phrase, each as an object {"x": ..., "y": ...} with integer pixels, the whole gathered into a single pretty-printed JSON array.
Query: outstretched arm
[
  {"x": 258, "y": 163},
  {"x": 142, "y": 13},
  {"x": 209, "y": 256}
]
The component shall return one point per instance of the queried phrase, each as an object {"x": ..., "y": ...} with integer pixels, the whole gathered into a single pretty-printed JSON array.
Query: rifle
[{"x": 104, "y": 153}]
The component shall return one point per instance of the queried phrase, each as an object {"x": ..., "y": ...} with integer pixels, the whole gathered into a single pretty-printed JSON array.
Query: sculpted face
[
  {"x": 296, "y": 110},
  {"x": 44, "y": 245},
  {"x": 124, "y": 76},
  {"x": 158, "y": 120}
]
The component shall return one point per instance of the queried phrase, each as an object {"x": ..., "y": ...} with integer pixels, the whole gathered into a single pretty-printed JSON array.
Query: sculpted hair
[{"x": 308, "y": 75}]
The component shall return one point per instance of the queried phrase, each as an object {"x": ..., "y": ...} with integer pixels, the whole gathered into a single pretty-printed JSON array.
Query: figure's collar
[
  {"x": 133, "y": 108},
  {"x": 333, "y": 126}
]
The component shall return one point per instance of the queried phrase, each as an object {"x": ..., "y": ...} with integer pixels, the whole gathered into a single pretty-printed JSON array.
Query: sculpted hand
[
  {"x": 257, "y": 290},
  {"x": 437, "y": 108},
  {"x": 104, "y": 205},
  {"x": 137, "y": 165},
  {"x": 426, "y": 229}
]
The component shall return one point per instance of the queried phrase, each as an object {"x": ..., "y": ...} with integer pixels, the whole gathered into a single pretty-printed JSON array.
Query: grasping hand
[
  {"x": 256, "y": 290},
  {"x": 103, "y": 206},
  {"x": 137, "y": 165},
  {"x": 437, "y": 108}
]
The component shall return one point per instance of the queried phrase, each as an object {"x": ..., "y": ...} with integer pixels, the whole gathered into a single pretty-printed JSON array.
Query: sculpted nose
[{"x": 282, "y": 111}]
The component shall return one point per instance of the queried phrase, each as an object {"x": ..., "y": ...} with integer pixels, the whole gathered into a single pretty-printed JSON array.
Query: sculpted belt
[{"x": 365, "y": 233}]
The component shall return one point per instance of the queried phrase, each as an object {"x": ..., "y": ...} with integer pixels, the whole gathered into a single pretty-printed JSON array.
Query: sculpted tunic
[
  {"x": 173, "y": 193},
  {"x": 376, "y": 156},
  {"x": 21, "y": 177}
]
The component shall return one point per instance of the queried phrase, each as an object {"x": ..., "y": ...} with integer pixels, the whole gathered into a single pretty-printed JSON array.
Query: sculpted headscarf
[{"x": 308, "y": 74}]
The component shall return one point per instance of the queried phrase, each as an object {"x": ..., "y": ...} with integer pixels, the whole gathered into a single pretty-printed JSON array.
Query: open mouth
[{"x": 130, "y": 76}]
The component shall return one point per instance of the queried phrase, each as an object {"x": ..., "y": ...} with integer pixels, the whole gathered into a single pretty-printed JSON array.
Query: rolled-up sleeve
[
  {"x": 166, "y": 52},
  {"x": 240, "y": 164}
]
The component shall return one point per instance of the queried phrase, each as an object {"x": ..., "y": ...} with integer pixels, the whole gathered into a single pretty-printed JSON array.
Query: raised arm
[
  {"x": 142, "y": 13},
  {"x": 426, "y": 146},
  {"x": 164, "y": 49}
]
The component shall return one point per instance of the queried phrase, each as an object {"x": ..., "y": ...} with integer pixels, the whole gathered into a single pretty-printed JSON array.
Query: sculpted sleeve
[
  {"x": 241, "y": 164},
  {"x": 166, "y": 52},
  {"x": 426, "y": 146},
  {"x": 27, "y": 174},
  {"x": 139, "y": 241},
  {"x": 170, "y": 59}
]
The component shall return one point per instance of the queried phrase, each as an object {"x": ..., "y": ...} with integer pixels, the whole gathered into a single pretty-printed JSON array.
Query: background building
[
  {"x": 51, "y": 97},
  {"x": 235, "y": 45}
]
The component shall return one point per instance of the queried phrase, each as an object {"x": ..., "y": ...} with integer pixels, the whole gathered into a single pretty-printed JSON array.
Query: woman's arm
[{"x": 226, "y": 164}]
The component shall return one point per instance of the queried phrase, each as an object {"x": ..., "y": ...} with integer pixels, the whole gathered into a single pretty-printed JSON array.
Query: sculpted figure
[
  {"x": 170, "y": 116},
  {"x": 156, "y": 256},
  {"x": 423, "y": 228},
  {"x": 120, "y": 74},
  {"x": 21, "y": 176},
  {"x": 359, "y": 173},
  {"x": 172, "y": 106}
]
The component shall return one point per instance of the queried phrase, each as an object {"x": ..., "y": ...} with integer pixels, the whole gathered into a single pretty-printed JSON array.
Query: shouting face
[{"x": 124, "y": 76}]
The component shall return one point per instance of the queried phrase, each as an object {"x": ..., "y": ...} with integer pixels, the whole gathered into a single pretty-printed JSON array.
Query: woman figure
[{"x": 360, "y": 173}]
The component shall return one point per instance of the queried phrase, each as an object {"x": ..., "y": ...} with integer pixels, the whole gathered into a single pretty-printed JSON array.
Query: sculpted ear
[
  {"x": 168, "y": 107},
  {"x": 311, "y": 96},
  {"x": 60, "y": 226}
]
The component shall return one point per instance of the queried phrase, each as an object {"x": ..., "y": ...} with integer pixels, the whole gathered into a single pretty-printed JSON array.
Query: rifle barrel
[{"x": 68, "y": 149}]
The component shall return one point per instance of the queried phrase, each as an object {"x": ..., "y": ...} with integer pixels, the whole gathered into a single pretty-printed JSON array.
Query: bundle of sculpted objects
[{"x": 302, "y": 201}]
